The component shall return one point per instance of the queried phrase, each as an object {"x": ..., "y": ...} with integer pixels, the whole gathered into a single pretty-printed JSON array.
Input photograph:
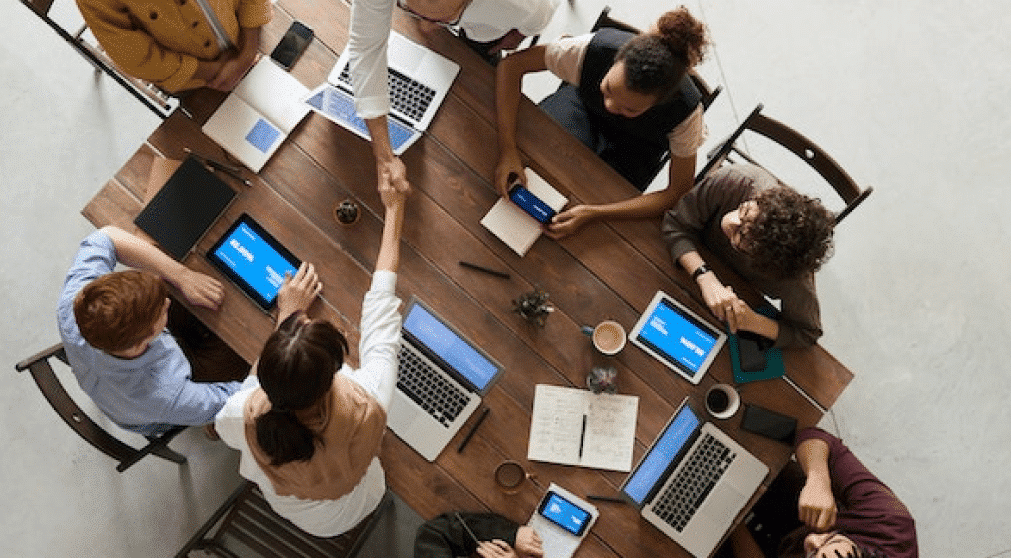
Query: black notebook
[{"x": 185, "y": 207}]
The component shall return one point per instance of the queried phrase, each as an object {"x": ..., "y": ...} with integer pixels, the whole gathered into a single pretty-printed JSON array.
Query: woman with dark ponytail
[
  {"x": 628, "y": 97},
  {"x": 308, "y": 426}
]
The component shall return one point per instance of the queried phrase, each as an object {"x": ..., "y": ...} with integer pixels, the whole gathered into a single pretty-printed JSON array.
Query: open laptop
[
  {"x": 693, "y": 481},
  {"x": 419, "y": 80},
  {"x": 441, "y": 381}
]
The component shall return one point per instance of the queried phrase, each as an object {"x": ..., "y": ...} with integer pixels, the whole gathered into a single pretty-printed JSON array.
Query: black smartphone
[
  {"x": 751, "y": 350},
  {"x": 768, "y": 423},
  {"x": 567, "y": 515},
  {"x": 531, "y": 203},
  {"x": 292, "y": 45}
]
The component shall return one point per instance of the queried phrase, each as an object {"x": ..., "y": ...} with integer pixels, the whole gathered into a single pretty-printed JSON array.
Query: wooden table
[{"x": 606, "y": 271}]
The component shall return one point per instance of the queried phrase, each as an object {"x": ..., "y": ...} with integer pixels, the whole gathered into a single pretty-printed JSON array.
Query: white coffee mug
[
  {"x": 608, "y": 337},
  {"x": 722, "y": 401}
]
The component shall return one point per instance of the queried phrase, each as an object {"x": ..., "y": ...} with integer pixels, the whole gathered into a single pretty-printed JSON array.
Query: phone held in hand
[
  {"x": 530, "y": 203},
  {"x": 292, "y": 45},
  {"x": 564, "y": 513}
]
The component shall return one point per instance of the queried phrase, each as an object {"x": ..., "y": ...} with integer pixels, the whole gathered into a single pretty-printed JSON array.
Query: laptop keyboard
[
  {"x": 407, "y": 96},
  {"x": 429, "y": 389},
  {"x": 682, "y": 498}
]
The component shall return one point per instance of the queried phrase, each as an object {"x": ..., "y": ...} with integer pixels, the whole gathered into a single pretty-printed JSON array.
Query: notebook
[
  {"x": 442, "y": 379},
  {"x": 419, "y": 80},
  {"x": 562, "y": 520},
  {"x": 677, "y": 337},
  {"x": 693, "y": 481},
  {"x": 185, "y": 207},
  {"x": 516, "y": 227},
  {"x": 259, "y": 114}
]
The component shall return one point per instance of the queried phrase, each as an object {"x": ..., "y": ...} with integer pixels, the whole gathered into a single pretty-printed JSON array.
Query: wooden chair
[
  {"x": 248, "y": 527},
  {"x": 50, "y": 386},
  {"x": 781, "y": 134},
  {"x": 159, "y": 101}
]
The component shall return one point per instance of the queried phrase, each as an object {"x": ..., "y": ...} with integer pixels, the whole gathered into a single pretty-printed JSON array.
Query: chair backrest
[
  {"x": 245, "y": 525},
  {"x": 793, "y": 141},
  {"x": 75, "y": 417}
]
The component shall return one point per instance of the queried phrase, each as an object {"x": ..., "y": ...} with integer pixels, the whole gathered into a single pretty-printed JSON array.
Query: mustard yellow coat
[{"x": 161, "y": 41}]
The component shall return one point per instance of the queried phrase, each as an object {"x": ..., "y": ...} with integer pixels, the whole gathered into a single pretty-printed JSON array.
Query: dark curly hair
[
  {"x": 655, "y": 62},
  {"x": 790, "y": 236}
]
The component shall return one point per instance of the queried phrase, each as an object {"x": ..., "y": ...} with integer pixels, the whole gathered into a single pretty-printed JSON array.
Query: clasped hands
[
  {"x": 726, "y": 305},
  {"x": 528, "y": 545}
]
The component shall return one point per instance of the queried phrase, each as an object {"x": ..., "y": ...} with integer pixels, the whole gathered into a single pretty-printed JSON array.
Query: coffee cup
[
  {"x": 608, "y": 337},
  {"x": 722, "y": 401},
  {"x": 509, "y": 476}
]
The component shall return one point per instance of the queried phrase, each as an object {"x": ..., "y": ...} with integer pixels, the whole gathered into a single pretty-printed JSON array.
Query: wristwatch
[{"x": 702, "y": 269}]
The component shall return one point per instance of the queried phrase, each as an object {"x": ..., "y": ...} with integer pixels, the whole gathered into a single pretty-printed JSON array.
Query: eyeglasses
[{"x": 449, "y": 20}]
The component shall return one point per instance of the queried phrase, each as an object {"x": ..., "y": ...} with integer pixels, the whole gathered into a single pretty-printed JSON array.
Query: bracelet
[{"x": 700, "y": 270}]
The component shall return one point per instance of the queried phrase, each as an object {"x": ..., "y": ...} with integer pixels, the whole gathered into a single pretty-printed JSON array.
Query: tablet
[
  {"x": 255, "y": 261},
  {"x": 677, "y": 337}
]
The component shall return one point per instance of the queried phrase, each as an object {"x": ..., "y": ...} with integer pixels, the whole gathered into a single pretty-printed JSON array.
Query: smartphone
[
  {"x": 567, "y": 515},
  {"x": 768, "y": 423},
  {"x": 292, "y": 45},
  {"x": 751, "y": 350},
  {"x": 531, "y": 203}
]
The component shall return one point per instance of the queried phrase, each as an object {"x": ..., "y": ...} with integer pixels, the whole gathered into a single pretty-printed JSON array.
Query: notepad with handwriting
[
  {"x": 259, "y": 114},
  {"x": 557, "y": 428}
]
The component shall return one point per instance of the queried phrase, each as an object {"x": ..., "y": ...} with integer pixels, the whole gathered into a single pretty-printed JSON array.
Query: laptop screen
[
  {"x": 451, "y": 348},
  {"x": 658, "y": 459},
  {"x": 678, "y": 337}
]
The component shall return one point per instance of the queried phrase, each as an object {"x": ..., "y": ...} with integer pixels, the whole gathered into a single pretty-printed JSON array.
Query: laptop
[
  {"x": 677, "y": 337},
  {"x": 693, "y": 481},
  {"x": 419, "y": 80},
  {"x": 442, "y": 379}
]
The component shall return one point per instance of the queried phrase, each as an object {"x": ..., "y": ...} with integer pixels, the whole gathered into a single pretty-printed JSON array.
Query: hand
[
  {"x": 509, "y": 41},
  {"x": 528, "y": 543},
  {"x": 569, "y": 221},
  {"x": 719, "y": 298},
  {"x": 200, "y": 289},
  {"x": 231, "y": 72},
  {"x": 495, "y": 549},
  {"x": 510, "y": 170},
  {"x": 298, "y": 292},
  {"x": 392, "y": 176},
  {"x": 817, "y": 508}
]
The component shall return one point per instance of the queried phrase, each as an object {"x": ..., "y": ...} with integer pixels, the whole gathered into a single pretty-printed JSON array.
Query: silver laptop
[
  {"x": 441, "y": 381},
  {"x": 419, "y": 80},
  {"x": 693, "y": 481}
]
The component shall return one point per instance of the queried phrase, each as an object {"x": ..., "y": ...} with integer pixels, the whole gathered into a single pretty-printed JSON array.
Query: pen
[
  {"x": 473, "y": 429},
  {"x": 604, "y": 498},
  {"x": 466, "y": 527},
  {"x": 230, "y": 170},
  {"x": 582, "y": 435},
  {"x": 485, "y": 269}
]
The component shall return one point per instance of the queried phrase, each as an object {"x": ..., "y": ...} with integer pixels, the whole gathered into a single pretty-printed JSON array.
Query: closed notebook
[{"x": 185, "y": 207}]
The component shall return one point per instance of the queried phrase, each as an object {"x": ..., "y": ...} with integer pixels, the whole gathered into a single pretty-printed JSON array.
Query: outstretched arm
[
  {"x": 199, "y": 289},
  {"x": 389, "y": 249},
  {"x": 508, "y": 85}
]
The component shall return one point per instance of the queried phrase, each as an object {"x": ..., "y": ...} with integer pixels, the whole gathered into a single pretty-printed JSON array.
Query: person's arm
[
  {"x": 743, "y": 544},
  {"x": 197, "y": 403},
  {"x": 508, "y": 91},
  {"x": 199, "y": 289},
  {"x": 233, "y": 69},
  {"x": 298, "y": 292},
  {"x": 817, "y": 506}
]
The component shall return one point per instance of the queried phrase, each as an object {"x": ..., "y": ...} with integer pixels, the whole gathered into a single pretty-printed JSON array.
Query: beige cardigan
[{"x": 161, "y": 41}]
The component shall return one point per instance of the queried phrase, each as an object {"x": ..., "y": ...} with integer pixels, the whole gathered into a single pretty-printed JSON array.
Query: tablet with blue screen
[
  {"x": 678, "y": 337},
  {"x": 255, "y": 261}
]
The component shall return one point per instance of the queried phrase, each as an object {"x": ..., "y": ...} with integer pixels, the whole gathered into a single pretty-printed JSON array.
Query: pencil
[{"x": 476, "y": 267}]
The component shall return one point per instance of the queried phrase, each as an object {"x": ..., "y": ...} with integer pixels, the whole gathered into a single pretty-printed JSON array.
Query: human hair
[
  {"x": 119, "y": 310},
  {"x": 295, "y": 370},
  {"x": 657, "y": 61},
  {"x": 791, "y": 234}
]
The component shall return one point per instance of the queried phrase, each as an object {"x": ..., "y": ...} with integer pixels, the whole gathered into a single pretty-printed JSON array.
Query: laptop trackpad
[{"x": 724, "y": 501}]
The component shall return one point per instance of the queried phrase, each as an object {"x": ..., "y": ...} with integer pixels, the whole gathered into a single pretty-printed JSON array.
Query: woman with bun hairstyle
[
  {"x": 628, "y": 97},
  {"x": 307, "y": 425}
]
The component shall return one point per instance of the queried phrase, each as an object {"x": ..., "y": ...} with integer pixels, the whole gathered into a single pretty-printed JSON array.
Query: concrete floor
[{"x": 911, "y": 97}]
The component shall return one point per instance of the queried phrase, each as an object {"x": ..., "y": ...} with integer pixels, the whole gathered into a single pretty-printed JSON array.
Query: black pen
[
  {"x": 501, "y": 274},
  {"x": 604, "y": 498},
  {"x": 582, "y": 435},
  {"x": 230, "y": 170},
  {"x": 466, "y": 528},
  {"x": 473, "y": 429}
]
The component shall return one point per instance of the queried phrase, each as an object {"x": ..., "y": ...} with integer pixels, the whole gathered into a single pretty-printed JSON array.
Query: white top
[
  {"x": 378, "y": 350},
  {"x": 564, "y": 58},
  {"x": 483, "y": 20}
]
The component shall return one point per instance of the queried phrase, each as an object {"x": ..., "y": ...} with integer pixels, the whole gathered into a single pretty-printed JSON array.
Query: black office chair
[
  {"x": 788, "y": 138},
  {"x": 159, "y": 101},
  {"x": 50, "y": 386},
  {"x": 246, "y": 526}
]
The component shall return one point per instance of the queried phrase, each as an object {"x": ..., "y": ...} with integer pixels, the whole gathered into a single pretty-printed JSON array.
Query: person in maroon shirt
[{"x": 844, "y": 510}]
